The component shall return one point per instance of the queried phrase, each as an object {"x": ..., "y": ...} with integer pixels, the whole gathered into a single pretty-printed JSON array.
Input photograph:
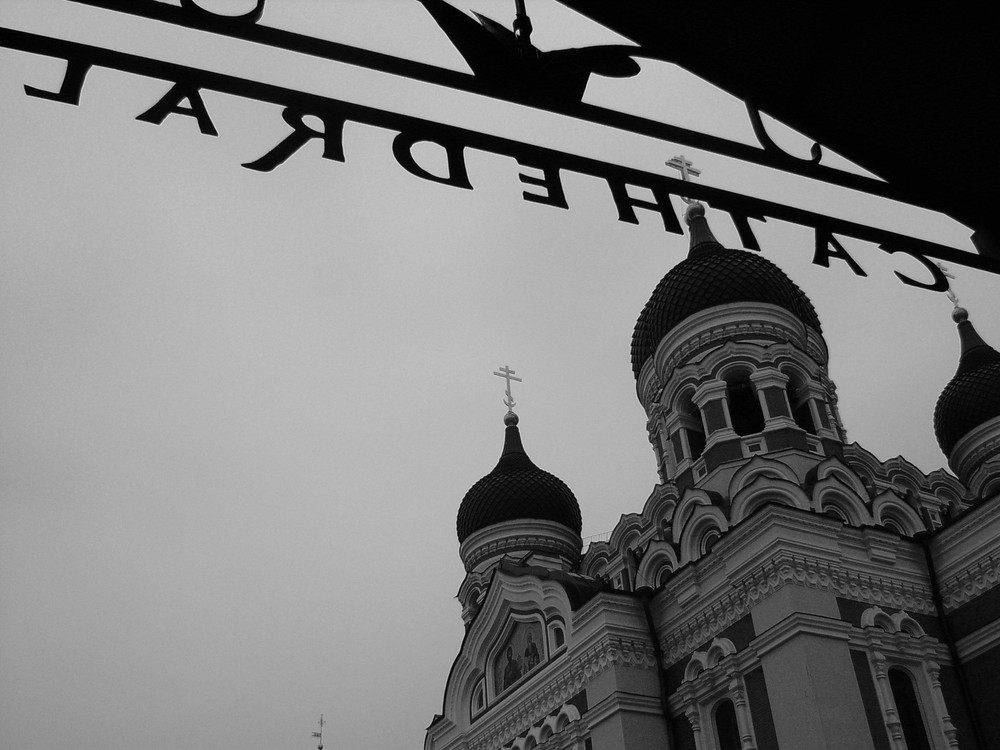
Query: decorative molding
[
  {"x": 555, "y": 725},
  {"x": 975, "y": 446},
  {"x": 782, "y": 570},
  {"x": 519, "y": 535},
  {"x": 541, "y": 701},
  {"x": 987, "y": 638},
  {"x": 971, "y": 582}
]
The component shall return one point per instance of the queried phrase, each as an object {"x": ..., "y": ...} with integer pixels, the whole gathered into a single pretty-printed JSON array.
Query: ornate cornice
[
  {"x": 782, "y": 570},
  {"x": 971, "y": 582},
  {"x": 570, "y": 680},
  {"x": 519, "y": 536}
]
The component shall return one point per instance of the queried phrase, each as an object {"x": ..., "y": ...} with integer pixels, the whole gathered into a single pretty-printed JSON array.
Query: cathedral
[{"x": 780, "y": 589}]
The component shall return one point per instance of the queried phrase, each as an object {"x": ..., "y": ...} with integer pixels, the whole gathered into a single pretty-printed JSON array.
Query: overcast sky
[{"x": 239, "y": 410}]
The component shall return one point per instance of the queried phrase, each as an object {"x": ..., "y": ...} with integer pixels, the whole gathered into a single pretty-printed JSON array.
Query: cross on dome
[
  {"x": 686, "y": 167},
  {"x": 507, "y": 374}
]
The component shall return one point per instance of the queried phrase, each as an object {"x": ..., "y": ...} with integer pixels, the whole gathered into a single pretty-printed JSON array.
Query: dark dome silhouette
[
  {"x": 517, "y": 489},
  {"x": 972, "y": 397},
  {"x": 713, "y": 275}
]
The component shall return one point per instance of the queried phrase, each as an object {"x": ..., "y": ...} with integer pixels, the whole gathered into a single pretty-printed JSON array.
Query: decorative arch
[
  {"x": 691, "y": 500},
  {"x": 833, "y": 467},
  {"x": 756, "y": 467},
  {"x": 910, "y": 476},
  {"x": 763, "y": 490},
  {"x": 660, "y": 557},
  {"x": 627, "y": 532},
  {"x": 705, "y": 519},
  {"x": 659, "y": 507},
  {"x": 701, "y": 661},
  {"x": 597, "y": 560},
  {"x": 832, "y": 493},
  {"x": 888, "y": 509},
  {"x": 876, "y": 617}
]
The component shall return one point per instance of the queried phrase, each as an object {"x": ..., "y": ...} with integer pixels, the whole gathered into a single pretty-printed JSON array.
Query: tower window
[
  {"x": 744, "y": 407},
  {"x": 692, "y": 426},
  {"x": 798, "y": 400}
]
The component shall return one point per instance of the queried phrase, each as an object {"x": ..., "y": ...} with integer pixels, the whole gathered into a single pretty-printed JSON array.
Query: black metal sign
[{"x": 540, "y": 169}]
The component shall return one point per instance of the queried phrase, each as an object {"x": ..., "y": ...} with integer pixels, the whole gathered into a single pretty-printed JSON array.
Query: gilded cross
[
  {"x": 507, "y": 374},
  {"x": 687, "y": 170}
]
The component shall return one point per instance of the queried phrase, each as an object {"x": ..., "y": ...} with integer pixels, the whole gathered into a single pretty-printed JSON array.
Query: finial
[
  {"x": 508, "y": 374},
  {"x": 687, "y": 170},
  {"x": 695, "y": 210},
  {"x": 951, "y": 292},
  {"x": 701, "y": 234}
]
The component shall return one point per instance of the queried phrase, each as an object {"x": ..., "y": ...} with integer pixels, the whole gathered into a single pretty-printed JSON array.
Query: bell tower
[{"x": 730, "y": 362}]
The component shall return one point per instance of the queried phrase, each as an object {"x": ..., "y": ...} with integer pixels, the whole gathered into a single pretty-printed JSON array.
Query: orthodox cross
[
  {"x": 687, "y": 170},
  {"x": 319, "y": 734},
  {"x": 507, "y": 374}
]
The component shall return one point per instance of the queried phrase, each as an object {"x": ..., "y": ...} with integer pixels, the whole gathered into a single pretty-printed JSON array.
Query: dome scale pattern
[
  {"x": 710, "y": 277},
  {"x": 517, "y": 489}
]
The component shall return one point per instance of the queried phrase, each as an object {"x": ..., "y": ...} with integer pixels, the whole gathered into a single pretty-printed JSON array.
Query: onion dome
[
  {"x": 712, "y": 275},
  {"x": 517, "y": 490},
  {"x": 972, "y": 398}
]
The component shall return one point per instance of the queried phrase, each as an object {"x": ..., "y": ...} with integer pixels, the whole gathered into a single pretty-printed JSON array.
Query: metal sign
[{"x": 552, "y": 81}]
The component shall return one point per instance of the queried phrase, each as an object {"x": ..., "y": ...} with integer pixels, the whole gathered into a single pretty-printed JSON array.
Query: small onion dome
[
  {"x": 517, "y": 489},
  {"x": 712, "y": 275},
  {"x": 973, "y": 395}
]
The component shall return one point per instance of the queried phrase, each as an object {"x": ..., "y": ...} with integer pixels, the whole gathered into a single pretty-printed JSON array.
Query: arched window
[
  {"x": 726, "y": 729},
  {"x": 663, "y": 575},
  {"x": 893, "y": 525},
  {"x": 708, "y": 540},
  {"x": 694, "y": 429},
  {"x": 744, "y": 407},
  {"x": 798, "y": 400},
  {"x": 834, "y": 512},
  {"x": 908, "y": 708},
  {"x": 479, "y": 699}
]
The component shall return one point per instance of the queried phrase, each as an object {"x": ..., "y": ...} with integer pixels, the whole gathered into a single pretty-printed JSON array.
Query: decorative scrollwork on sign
[
  {"x": 757, "y": 123},
  {"x": 221, "y": 22}
]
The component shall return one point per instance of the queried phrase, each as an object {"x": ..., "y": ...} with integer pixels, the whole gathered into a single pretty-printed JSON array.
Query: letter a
[
  {"x": 171, "y": 104},
  {"x": 824, "y": 239}
]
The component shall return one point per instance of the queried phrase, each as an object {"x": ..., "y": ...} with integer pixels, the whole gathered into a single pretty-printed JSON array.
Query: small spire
[
  {"x": 694, "y": 215},
  {"x": 319, "y": 735},
  {"x": 702, "y": 238},
  {"x": 975, "y": 351}
]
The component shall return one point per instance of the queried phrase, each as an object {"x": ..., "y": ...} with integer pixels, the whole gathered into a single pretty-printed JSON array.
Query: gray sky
[{"x": 239, "y": 410}]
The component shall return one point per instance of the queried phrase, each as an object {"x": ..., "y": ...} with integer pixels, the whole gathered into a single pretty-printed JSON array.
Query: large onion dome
[
  {"x": 972, "y": 398},
  {"x": 712, "y": 275},
  {"x": 517, "y": 490}
]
